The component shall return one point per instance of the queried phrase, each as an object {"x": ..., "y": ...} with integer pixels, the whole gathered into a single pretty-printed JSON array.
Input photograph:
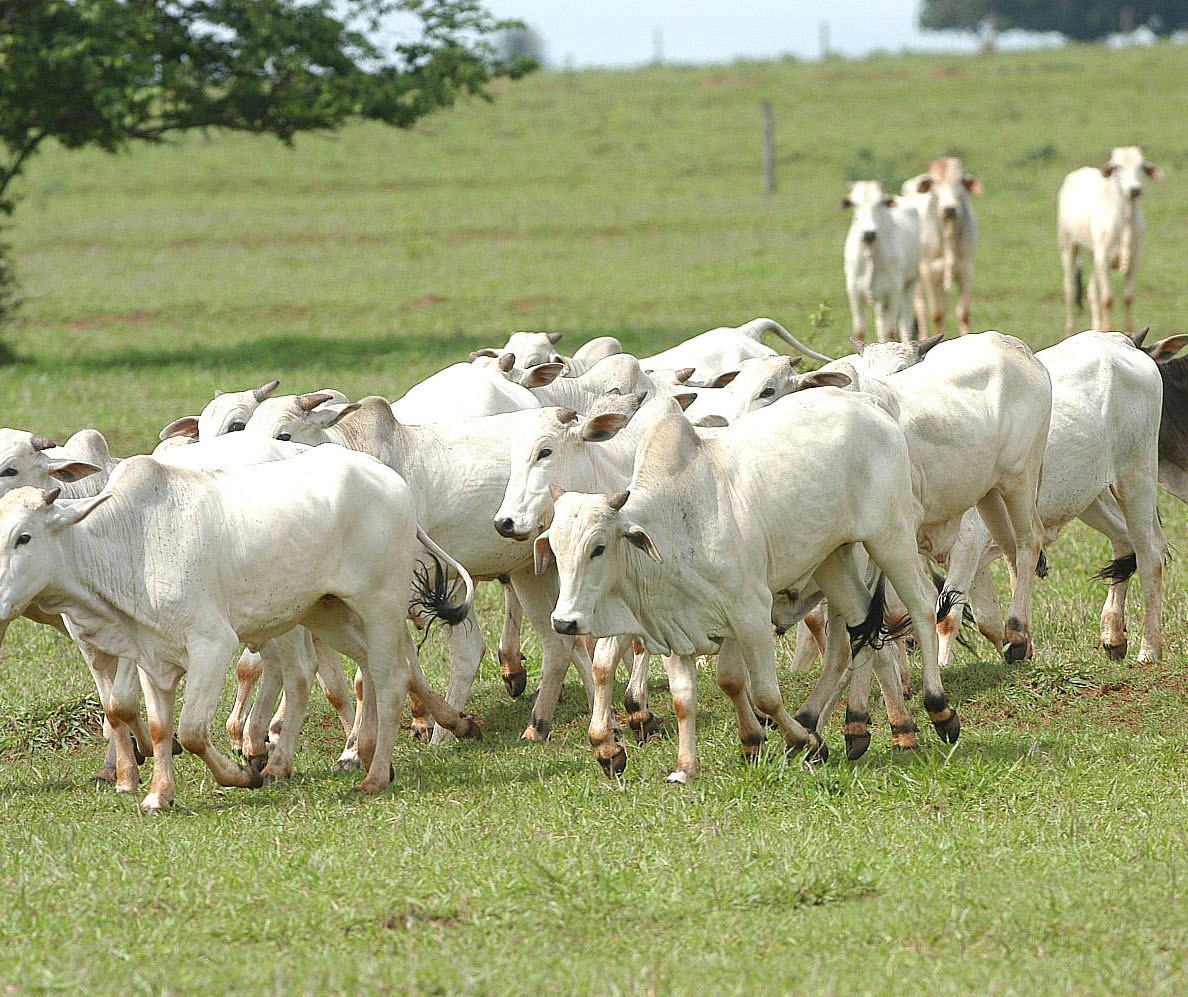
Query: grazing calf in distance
[
  {"x": 948, "y": 241},
  {"x": 1098, "y": 210},
  {"x": 882, "y": 260}
]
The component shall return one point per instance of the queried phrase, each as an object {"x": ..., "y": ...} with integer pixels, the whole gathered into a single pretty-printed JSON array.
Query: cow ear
[
  {"x": 723, "y": 379},
  {"x": 542, "y": 553},
  {"x": 1153, "y": 171},
  {"x": 685, "y": 399},
  {"x": 602, "y": 427},
  {"x": 972, "y": 184},
  {"x": 74, "y": 512},
  {"x": 924, "y": 185},
  {"x": 891, "y": 201},
  {"x": 186, "y": 426},
  {"x": 1165, "y": 349},
  {"x": 638, "y": 537},
  {"x": 1107, "y": 170},
  {"x": 542, "y": 374},
  {"x": 556, "y": 491},
  {"x": 847, "y": 203},
  {"x": 711, "y": 422},
  {"x": 823, "y": 379},
  {"x": 858, "y": 345},
  {"x": 325, "y": 416},
  {"x": 930, "y": 342},
  {"x": 71, "y": 470}
]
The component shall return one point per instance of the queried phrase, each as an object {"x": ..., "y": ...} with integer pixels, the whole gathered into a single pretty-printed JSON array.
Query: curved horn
[
  {"x": 311, "y": 401},
  {"x": 50, "y": 495},
  {"x": 41, "y": 442},
  {"x": 618, "y": 500},
  {"x": 265, "y": 390},
  {"x": 566, "y": 416}
]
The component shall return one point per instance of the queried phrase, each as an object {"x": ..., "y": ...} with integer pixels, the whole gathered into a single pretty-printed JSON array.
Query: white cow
[
  {"x": 166, "y": 566},
  {"x": 1101, "y": 465},
  {"x": 976, "y": 414},
  {"x": 227, "y": 412},
  {"x": 1098, "y": 210},
  {"x": 457, "y": 473},
  {"x": 690, "y": 555},
  {"x": 714, "y": 352},
  {"x": 881, "y": 260},
  {"x": 459, "y": 392},
  {"x": 528, "y": 349},
  {"x": 948, "y": 240}
]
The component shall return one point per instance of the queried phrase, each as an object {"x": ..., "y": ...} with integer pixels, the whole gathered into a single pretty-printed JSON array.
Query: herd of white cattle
[
  {"x": 904, "y": 254},
  {"x": 691, "y": 503}
]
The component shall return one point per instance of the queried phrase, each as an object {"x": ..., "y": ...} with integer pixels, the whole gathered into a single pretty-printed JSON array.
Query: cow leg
[
  {"x": 511, "y": 658},
  {"x": 1019, "y": 531},
  {"x": 332, "y": 679},
  {"x": 449, "y": 718},
  {"x": 466, "y": 653},
  {"x": 682, "y": 683},
  {"x": 1128, "y": 281},
  {"x": 965, "y": 560},
  {"x": 733, "y": 672},
  {"x": 888, "y": 669},
  {"x": 349, "y": 760},
  {"x": 119, "y": 693},
  {"x": 607, "y": 749},
  {"x": 247, "y": 674},
  {"x": 1101, "y": 295},
  {"x": 159, "y": 700},
  {"x": 810, "y": 639},
  {"x": 640, "y": 718},
  {"x": 206, "y": 673},
  {"x": 1069, "y": 264},
  {"x": 296, "y": 660},
  {"x": 386, "y": 683},
  {"x": 254, "y": 746},
  {"x": 964, "y": 272}
]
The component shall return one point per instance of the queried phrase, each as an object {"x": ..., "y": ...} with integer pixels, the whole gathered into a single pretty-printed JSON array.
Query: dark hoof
[
  {"x": 516, "y": 683},
  {"x": 1115, "y": 652},
  {"x": 1016, "y": 652},
  {"x": 469, "y": 728},
  {"x": 647, "y": 729},
  {"x": 177, "y": 748},
  {"x": 255, "y": 779},
  {"x": 616, "y": 765},
  {"x": 856, "y": 745},
  {"x": 818, "y": 755},
  {"x": 105, "y": 775},
  {"x": 948, "y": 730},
  {"x": 257, "y": 763}
]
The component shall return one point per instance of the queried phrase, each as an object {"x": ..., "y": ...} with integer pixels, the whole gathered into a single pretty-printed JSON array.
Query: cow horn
[
  {"x": 618, "y": 500},
  {"x": 566, "y": 416},
  {"x": 507, "y": 362},
  {"x": 41, "y": 442},
  {"x": 554, "y": 337},
  {"x": 311, "y": 401},
  {"x": 50, "y": 495},
  {"x": 265, "y": 390}
]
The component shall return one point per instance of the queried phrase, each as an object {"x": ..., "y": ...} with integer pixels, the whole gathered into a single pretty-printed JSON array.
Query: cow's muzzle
[
  {"x": 506, "y": 527},
  {"x": 869, "y": 236},
  {"x": 568, "y": 627}
]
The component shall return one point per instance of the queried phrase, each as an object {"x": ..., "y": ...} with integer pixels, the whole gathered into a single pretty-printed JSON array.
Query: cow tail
[
  {"x": 433, "y": 593},
  {"x": 872, "y": 631},
  {"x": 1119, "y": 569},
  {"x": 1080, "y": 286},
  {"x": 757, "y": 327}
]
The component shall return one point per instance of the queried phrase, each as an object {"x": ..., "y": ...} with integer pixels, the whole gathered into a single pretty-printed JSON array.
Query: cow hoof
[
  {"x": 1116, "y": 652},
  {"x": 948, "y": 730},
  {"x": 255, "y": 779},
  {"x": 516, "y": 683},
  {"x": 679, "y": 778},
  {"x": 348, "y": 763},
  {"x": 468, "y": 727},
  {"x": 538, "y": 731},
  {"x": 616, "y": 765},
  {"x": 107, "y": 774},
  {"x": 856, "y": 745},
  {"x": 646, "y": 729},
  {"x": 1017, "y": 651},
  {"x": 371, "y": 786},
  {"x": 154, "y": 804},
  {"x": 818, "y": 755}
]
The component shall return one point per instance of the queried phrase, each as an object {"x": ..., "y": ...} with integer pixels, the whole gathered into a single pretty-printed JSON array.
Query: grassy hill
[{"x": 1045, "y": 853}]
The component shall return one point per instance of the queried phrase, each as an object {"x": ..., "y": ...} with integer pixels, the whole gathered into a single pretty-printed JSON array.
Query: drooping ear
[
  {"x": 1153, "y": 171},
  {"x": 1165, "y": 349},
  {"x": 554, "y": 337},
  {"x": 924, "y": 185},
  {"x": 930, "y": 342},
  {"x": 1107, "y": 170},
  {"x": 638, "y": 537},
  {"x": 186, "y": 426},
  {"x": 711, "y": 422},
  {"x": 72, "y": 512},
  {"x": 972, "y": 184},
  {"x": 604, "y": 426},
  {"x": 685, "y": 399},
  {"x": 723, "y": 379},
  {"x": 542, "y": 374},
  {"x": 325, "y": 416},
  {"x": 822, "y": 379},
  {"x": 542, "y": 553},
  {"x": 477, "y": 354},
  {"x": 265, "y": 390},
  {"x": 891, "y": 200},
  {"x": 71, "y": 470},
  {"x": 556, "y": 491},
  {"x": 846, "y": 203},
  {"x": 858, "y": 345}
]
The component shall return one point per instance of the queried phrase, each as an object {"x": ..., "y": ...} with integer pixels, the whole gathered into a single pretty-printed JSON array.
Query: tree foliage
[
  {"x": 107, "y": 73},
  {"x": 1081, "y": 20}
]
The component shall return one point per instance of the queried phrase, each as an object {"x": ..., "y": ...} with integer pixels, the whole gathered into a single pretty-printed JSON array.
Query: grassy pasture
[{"x": 1046, "y": 852}]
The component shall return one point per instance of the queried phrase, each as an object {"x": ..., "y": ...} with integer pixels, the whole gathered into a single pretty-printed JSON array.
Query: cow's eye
[
  {"x": 8, "y": 472},
  {"x": 284, "y": 437},
  {"x": 598, "y": 551},
  {"x": 23, "y": 539},
  {"x": 767, "y": 392},
  {"x": 236, "y": 427},
  {"x": 544, "y": 452}
]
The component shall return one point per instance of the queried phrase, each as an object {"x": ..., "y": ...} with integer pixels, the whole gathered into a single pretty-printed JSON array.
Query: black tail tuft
[
  {"x": 433, "y": 594},
  {"x": 1080, "y": 286},
  {"x": 1041, "y": 566},
  {"x": 1119, "y": 569},
  {"x": 946, "y": 602},
  {"x": 868, "y": 632}
]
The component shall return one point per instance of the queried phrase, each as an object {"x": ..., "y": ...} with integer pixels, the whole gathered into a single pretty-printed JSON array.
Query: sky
[{"x": 581, "y": 34}]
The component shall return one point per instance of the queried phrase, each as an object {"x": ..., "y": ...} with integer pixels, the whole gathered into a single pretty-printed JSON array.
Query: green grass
[{"x": 1045, "y": 853}]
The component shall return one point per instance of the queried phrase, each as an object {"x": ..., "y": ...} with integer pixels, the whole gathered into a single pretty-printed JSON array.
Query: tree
[
  {"x": 108, "y": 73},
  {"x": 1081, "y": 20}
]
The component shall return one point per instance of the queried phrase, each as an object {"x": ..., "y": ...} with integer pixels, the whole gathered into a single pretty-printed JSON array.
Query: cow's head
[
  {"x": 31, "y": 520},
  {"x": 950, "y": 183},
  {"x": 589, "y": 542},
  {"x": 300, "y": 418},
  {"x": 866, "y": 199},
  {"x": 882, "y": 359},
  {"x": 1127, "y": 166},
  {"x": 557, "y": 452}
]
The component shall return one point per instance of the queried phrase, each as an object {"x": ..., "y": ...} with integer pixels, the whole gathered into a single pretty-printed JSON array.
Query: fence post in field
[{"x": 769, "y": 181}]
